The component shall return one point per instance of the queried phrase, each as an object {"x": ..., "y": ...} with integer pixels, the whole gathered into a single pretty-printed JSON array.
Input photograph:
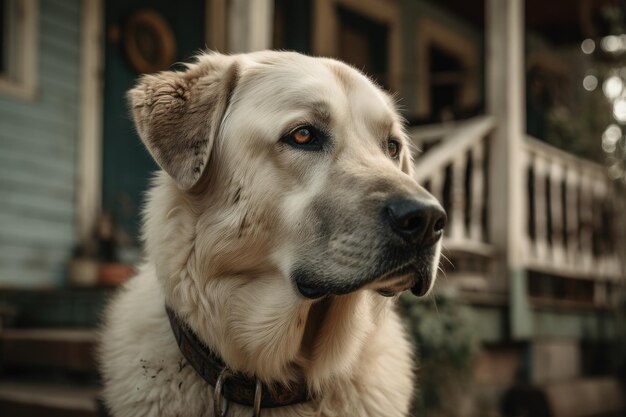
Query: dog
[{"x": 282, "y": 226}]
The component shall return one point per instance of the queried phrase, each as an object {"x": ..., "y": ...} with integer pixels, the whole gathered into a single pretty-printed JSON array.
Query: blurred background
[{"x": 517, "y": 108}]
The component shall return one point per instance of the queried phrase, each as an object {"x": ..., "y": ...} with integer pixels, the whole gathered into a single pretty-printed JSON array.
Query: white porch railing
[
  {"x": 570, "y": 207},
  {"x": 572, "y": 227},
  {"x": 455, "y": 173}
]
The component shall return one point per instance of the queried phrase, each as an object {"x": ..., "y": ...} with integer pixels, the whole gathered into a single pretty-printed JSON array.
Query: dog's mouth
[
  {"x": 401, "y": 279},
  {"x": 388, "y": 284}
]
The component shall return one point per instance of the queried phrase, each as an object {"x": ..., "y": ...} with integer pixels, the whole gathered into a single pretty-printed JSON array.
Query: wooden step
[
  {"x": 63, "y": 349},
  {"x": 22, "y": 399}
]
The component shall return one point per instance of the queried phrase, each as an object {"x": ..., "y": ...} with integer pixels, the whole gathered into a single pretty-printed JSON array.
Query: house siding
[{"x": 38, "y": 147}]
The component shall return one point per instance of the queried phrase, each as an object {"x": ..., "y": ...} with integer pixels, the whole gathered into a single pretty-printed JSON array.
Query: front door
[{"x": 163, "y": 26}]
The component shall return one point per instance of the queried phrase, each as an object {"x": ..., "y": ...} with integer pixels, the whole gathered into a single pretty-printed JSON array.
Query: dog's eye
[
  {"x": 304, "y": 137},
  {"x": 393, "y": 148}
]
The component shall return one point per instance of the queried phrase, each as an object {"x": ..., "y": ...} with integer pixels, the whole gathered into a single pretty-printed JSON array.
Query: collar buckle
[{"x": 220, "y": 404}]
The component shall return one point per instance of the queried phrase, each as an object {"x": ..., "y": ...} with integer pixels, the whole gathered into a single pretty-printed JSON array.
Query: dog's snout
[{"x": 421, "y": 222}]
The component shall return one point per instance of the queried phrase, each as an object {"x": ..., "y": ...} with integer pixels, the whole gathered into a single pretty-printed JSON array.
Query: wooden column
[
  {"x": 90, "y": 134},
  {"x": 216, "y": 22},
  {"x": 251, "y": 23},
  {"x": 506, "y": 102}
]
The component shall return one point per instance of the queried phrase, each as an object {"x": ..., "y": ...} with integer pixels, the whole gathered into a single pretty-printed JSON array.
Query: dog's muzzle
[{"x": 413, "y": 228}]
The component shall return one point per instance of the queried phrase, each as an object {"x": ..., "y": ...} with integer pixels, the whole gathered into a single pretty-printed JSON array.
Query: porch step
[
  {"x": 70, "y": 350},
  {"x": 22, "y": 399},
  {"x": 587, "y": 397}
]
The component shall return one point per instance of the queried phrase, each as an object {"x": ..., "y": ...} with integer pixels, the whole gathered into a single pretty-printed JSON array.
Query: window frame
[
  {"x": 326, "y": 29},
  {"x": 20, "y": 47},
  {"x": 431, "y": 32}
]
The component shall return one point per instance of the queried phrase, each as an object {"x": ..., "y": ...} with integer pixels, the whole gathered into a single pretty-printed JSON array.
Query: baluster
[
  {"x": 599, "y": 260},
  {"x": 541, "y": 244},
  {"x": 571, "y": 205},
  {"x": 617, "y": 227},
  {"x": 557, "y": 210},
  {"x": 436, "y": 185},
  {"x": 586, "y": 218},
  {"x": 478, "y": 192},
  {"x": 526, "y": 165},
  {"x": 437, "y": 181},
  {"x": 523, "y": 211},
  {"x": 457, "y": 228}
]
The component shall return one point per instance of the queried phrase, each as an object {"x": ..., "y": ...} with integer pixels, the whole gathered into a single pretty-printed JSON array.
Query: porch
[{"x": 535, "y": 242}]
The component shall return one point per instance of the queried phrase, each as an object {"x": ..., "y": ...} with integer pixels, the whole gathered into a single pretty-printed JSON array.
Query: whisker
[
  {"x": 434, "y": 300},
  {"x": 443, "y": 272},
  {"x": 444, "y": 257}
]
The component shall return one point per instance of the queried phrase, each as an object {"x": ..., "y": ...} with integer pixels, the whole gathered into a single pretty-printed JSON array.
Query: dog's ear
[{"x": 178, "y": 114}]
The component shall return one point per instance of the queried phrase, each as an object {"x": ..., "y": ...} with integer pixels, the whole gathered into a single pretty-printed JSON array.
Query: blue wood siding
[{"x": 38, "y": 151}]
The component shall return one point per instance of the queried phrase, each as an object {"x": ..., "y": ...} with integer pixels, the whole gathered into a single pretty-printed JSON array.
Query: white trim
[
  {"x": 250, "y": 24},
  {"x": 21, "y": 80},
  {"x": 89, "y": 175},
  {"x": 326, "y": 24},
  {"x": 506, "y": 102},
  {"x": 215, "y": 20},
  {"x": 89, "y": 178}
]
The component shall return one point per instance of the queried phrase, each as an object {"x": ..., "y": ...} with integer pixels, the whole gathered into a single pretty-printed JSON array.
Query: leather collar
[{"x": 237, "y": 387}]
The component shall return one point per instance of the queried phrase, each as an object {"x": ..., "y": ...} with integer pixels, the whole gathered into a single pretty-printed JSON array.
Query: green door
[{"x": 127, "y": 166}]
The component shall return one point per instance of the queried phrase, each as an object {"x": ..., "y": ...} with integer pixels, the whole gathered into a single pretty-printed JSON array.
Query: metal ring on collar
[
  {"x": 220, "y": 404},
  {"x": 258, "y": 394}
]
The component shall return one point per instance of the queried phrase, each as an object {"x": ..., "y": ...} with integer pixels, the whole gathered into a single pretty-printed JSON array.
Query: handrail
[
  {"x": 454, "y": 171},
  {"x": 571, "y": 208},
  {"x": 426, "y": 133},
  {"x": 458, "y": 141},
  {"x": 537, "y": 146},
  {"x": 569, "y": 203}
]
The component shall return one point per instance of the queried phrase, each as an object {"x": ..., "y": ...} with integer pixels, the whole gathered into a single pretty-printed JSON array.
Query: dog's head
[
  {"x": 289, "y": 178},
  {"x": 300, "y": 160}
]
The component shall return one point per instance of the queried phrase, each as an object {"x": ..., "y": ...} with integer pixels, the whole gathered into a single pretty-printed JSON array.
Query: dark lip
[
  {"x": 409, "y": 271},
  {"x": 402, "y": 278}
]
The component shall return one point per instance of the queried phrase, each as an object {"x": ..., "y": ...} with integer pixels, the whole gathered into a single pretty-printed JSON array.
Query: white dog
[{"x": 282, "y": 226}]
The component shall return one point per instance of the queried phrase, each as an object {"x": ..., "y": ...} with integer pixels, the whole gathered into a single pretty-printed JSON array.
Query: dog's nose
[{"x": 421, "y": 222}]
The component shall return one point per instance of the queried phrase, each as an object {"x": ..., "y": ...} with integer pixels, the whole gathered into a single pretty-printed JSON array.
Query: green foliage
[{"x": 446, "y": 341}]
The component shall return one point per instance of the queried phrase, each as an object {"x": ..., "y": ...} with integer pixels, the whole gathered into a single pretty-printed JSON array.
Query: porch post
[
  {"x": 250, "y": 25},
  {"x": 506, "y": 101},
  {"x": 89, "y": 179}
]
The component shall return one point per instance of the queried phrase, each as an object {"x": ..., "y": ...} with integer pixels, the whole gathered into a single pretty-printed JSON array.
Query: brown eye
[
  {"x": 305, "y": 138},
  {"x": 393, "y": 148},
  {"x": 302, "y": 136}
]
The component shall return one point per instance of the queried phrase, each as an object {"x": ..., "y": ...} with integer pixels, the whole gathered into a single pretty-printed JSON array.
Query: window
[
  {"x": 364, "y": 33},
  {"x": 447, "y": 71},
  {"x": 3, "y": 29},
  {"x": 363, "y": 42},
  {"x": 18, "y": 42},
  {"x": 447, "y": 76}
]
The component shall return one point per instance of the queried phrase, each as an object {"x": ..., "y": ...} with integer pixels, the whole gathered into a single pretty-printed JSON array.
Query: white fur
[{"x": 224, "y": 267}]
